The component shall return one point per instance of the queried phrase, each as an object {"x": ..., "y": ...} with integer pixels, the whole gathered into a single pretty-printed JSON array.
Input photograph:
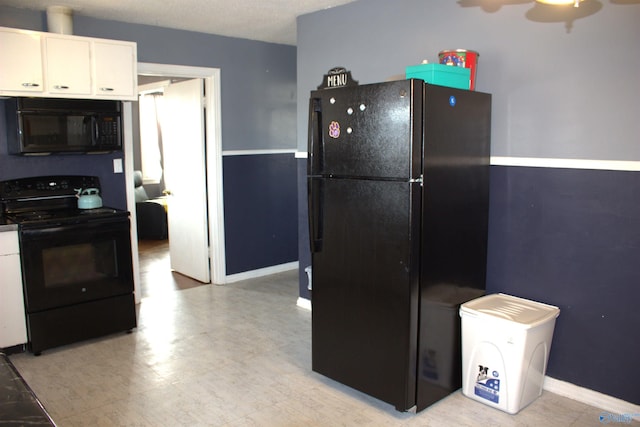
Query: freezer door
[
  {"x": 365, "y": 285},
  {"x": 369, "y": 131}
]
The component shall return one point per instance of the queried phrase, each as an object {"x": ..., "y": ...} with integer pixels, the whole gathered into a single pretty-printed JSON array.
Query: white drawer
[{"x": 9, "y": 243}]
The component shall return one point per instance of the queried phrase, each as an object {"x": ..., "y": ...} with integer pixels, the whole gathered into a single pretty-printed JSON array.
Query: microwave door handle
[{"x": 96, "y": 134}]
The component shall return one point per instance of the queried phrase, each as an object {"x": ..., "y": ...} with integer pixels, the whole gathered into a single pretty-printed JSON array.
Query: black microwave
[{"x": 53, "y": 125}]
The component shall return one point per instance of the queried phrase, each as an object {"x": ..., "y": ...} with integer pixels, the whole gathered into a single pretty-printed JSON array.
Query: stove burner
[{"x": 35, "y": 202}]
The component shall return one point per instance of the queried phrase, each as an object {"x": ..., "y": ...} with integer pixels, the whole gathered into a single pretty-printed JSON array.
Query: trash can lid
[{"x": 525, "y": 312}]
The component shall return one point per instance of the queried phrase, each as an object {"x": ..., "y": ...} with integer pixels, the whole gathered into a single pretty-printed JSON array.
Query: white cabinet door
[
  {"x": 42, "y": 64},
  {"x": 13, "y": 329},
  {"x": 114, "y": 68},
  {"x": 20, "y": 63},
  {"x": 68, "y": 65}
]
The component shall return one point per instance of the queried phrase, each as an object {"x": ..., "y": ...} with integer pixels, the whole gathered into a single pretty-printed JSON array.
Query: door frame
[{"x": 213, "y": 162}]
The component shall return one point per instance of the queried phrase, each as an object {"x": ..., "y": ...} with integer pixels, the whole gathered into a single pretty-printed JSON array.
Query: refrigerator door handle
[
  {"x": 418, "y": 180},
  {"x": 316, "y": 213},
  {"x": 315, "y": 137}
]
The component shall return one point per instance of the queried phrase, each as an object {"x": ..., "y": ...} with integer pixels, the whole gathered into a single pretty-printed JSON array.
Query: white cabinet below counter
[
  {"x": 34, "y": 63},
  {"x": 13, "y": 327}
]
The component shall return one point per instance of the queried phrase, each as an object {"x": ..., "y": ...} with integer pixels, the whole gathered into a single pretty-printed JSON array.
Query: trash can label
[{"x": 487, "y": 386}]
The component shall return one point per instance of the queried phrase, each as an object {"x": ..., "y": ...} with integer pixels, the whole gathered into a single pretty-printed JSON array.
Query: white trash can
[{"x": 505, "y": 349}]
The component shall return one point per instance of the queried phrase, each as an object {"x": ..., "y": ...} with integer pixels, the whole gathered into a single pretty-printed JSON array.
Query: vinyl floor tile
[{"x": 235, "y": 355}]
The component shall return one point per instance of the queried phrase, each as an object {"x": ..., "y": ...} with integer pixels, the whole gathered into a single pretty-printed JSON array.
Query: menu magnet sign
[{"x": 337, "y": 77}]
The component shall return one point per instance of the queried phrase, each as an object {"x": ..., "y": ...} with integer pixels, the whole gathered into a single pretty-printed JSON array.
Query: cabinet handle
[
  {"x": 106, "y": 89},
  {"x": 61, "y": 87},
  {"x": 30, "y": 84}
]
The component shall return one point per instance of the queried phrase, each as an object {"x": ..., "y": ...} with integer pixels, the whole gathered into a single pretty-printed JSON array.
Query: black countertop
[
  {"x": 6, "y": 225},
  {"x": 19, "y": 406}
]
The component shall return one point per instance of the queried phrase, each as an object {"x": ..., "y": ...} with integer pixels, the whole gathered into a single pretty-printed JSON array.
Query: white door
[{"x": 185, "y": 178}]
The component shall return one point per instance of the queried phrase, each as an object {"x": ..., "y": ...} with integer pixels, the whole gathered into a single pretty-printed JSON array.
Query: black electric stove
[{"x": 76, "y": 263}]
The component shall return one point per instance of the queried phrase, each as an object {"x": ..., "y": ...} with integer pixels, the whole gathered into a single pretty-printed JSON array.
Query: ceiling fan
[
  {"x": 549, "y": 11},
  {"x": 576, "y": 3},
  {"x": 494, "y": 5}
]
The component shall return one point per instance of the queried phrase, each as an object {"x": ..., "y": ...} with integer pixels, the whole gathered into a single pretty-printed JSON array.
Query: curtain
[{"x": 151, "y": 137}]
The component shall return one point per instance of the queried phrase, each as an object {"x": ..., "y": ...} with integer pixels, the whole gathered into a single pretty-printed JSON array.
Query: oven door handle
[{"x": 103, "y": 226}]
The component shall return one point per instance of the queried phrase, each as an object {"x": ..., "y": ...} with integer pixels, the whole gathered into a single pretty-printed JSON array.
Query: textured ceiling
[{"x": 266, "y": 20}]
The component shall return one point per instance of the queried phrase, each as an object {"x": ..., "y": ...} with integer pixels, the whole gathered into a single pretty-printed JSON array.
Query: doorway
[
  {"x": 156, "y": 276},
  {"x": 210, "y": 79}
]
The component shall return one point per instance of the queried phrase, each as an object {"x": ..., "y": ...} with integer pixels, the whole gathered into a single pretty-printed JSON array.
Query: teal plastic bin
[{"x": 440, "y": 74}]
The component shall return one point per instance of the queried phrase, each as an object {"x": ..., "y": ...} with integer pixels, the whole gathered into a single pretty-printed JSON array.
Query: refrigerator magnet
[{"x": 334, "y": 129}]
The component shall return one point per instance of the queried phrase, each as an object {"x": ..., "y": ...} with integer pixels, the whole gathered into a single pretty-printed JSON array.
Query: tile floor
[{"x": 235, "y": 355}]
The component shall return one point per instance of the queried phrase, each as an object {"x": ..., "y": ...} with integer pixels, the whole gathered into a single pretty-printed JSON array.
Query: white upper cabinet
[
  {"x": 68, "y": 66},
  {"x": 115, "y": 69},
  {"x": 20, "y": 62},
  {"x": 42, "y": 64}
]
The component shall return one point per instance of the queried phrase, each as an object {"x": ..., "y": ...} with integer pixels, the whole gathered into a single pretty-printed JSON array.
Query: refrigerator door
[
  {"x": 366, "y": 131},
  {"x": 454, "y": 230},
  {"x": 365, "y": 285},
  {"x": 456, "y": 186}
]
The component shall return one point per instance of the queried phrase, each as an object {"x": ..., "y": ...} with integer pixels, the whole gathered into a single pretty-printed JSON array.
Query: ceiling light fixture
[{"x": 575, "y": 3}]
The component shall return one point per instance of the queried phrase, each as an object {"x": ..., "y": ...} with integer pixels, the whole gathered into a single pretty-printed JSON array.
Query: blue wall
[
  {"x": 555, "y": 93},
  {"x": 571, "y": 237},
  {"x": 258, "y": 91},
  {"x": 260, "y": 211},
  {"x": 100, "y": 165},
  {"x": 568, "y": 237}
]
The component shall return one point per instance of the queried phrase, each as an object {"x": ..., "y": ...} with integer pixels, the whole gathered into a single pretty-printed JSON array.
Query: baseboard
[
  {"x": 261, "y": 272},
  {"x": 304, "y": 303},
  {"x": 612, "y": 405}
]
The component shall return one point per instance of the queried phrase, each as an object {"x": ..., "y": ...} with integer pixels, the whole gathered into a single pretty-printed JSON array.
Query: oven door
[{"x": 70, "y": 264}]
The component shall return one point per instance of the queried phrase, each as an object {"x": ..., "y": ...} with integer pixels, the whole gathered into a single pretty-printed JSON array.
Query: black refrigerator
[{"x": 398, "y": 196}]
